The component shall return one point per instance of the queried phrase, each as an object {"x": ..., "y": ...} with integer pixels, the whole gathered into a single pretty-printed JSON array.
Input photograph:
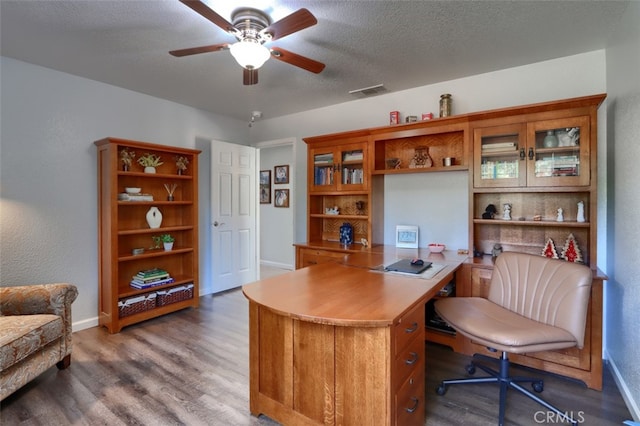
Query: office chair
[{"x": 534, "y": 304}]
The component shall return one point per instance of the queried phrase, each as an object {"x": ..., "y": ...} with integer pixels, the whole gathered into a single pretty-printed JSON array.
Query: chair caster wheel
[
  {"x": 471, "y": 369},
  {"x": 538, "y": 386},
  {"x": 441, "y": 390}
]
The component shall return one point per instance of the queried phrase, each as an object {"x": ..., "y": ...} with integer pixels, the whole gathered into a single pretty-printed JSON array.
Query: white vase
[
  {"x": 149, "y": 169},
  {"x": 168, "y": 246},
  {"x": 580, "y": 217},
  {"x": 154, "y": 218}
]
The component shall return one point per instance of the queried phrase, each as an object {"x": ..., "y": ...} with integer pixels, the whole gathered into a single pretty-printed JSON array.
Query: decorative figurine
[
  {"x": 335, "y": 210},
  {"x": 549, "y": 250},
  {"x": 581, "y": 211},
  {"x": 506, "y": 215},
  {"x": 571, "y": 252},
  {"x": 560, "y": 217},
  {"x": 489, "y": 212},
  {"x": 497, "y": 250}
]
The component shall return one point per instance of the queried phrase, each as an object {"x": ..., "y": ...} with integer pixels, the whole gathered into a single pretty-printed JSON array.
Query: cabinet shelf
[
  {"x": 509, "y": 153},
  {"x": 163, "y": 230},
  {"x": 420, "y": 170},
  {"x": 340, "y": 216},
  {"x": 154, "y": 253},
  {"x": 155, "y": 175},
  {"x": 155, "y": 203},
  {"x": 544, "y": 223}
]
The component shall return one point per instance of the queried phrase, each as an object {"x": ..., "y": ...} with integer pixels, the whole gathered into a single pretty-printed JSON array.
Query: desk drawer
[
  {"x": 410, "y": 399},
  {"x": 307, "y": 257},
  {"x": 409, "y": 358},
  {"x": 410, "y": 325}
]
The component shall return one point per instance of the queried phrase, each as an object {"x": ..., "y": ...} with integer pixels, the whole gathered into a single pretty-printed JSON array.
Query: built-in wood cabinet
[
  {"x": 128, "y": 246},
  {"x": 541, "y": 162},
  {"x": 404, "y": 149},
  {"x": 339, "y": 187},
  {"x": 345, "y": 181},
  {"x": 545, "y": 153},
  {"x": 539, "y": 159}
]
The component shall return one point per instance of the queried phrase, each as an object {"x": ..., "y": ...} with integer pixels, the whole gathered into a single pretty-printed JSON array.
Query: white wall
[
  {"x": 276, "y": 223},
  {"x": 48, "y": 172},
  {"x": 568, "y": 77},
  {"x": 622, "y": 296}
]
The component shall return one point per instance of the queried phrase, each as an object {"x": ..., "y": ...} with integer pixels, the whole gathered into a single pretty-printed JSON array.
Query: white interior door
[{"x": 233, "y": 199}]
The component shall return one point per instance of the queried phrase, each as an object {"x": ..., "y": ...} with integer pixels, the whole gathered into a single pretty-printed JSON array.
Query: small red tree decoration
[
  {"x": 550, "y": 250},
  {"x": 571, "y": 251}
]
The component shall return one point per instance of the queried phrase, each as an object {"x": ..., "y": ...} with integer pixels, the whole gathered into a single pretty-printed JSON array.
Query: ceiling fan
[{"x": 253, "y": 28}]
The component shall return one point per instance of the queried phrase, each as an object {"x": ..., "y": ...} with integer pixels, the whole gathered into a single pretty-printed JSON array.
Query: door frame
[{"x": 277, "y": 143}]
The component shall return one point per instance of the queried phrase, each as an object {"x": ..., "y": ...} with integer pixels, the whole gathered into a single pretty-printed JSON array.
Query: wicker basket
[
  {"x": 175, "y": 294},
  {"x": 137, "y": 304}
]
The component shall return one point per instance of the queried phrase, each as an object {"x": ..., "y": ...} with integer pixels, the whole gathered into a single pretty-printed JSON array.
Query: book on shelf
[
  {"x": 353, "y": 156},
  {"x": 134, "y": 197},
  {"x": 150, "y": 279},
  {"x": 144, "y": 285},
  {"x": 323, "y": 176},
  {"x": 323, "y": 159},
  {"x": 500, "y": 146},
  {"x": 151, "y": 273}
]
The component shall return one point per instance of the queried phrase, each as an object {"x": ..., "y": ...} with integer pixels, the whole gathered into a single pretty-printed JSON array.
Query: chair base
[{"x": 502, "y": 377}]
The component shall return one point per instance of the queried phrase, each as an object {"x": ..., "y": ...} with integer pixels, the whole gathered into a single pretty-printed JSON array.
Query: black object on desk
[{"x": 406, "y": 266}]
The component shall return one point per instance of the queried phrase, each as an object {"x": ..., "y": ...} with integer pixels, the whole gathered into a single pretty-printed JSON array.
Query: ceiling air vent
[{"x": 369, "y": 91}]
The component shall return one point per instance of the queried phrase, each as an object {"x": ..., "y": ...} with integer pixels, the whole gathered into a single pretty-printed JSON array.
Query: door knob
[{"x": 216, "y": 223}]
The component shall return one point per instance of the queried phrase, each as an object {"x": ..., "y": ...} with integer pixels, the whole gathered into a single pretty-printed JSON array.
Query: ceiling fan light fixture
[{"x": 249, "y": 54}]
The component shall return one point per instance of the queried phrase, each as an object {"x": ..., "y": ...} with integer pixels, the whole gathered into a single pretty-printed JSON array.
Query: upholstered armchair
[{"x": 35, "y": 332}]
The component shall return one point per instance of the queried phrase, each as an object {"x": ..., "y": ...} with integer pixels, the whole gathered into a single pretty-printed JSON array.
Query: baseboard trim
[
  {"x": 84, "y": 324},
  {"x": 277, "y": 265},
  {"x": 632, "y": 404}
]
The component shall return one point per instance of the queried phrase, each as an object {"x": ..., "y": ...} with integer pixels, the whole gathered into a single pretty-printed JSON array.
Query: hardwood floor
[{"x": 191, "y": 368}]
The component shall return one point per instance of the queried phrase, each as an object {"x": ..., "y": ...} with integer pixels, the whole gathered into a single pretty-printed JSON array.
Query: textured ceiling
[{"x": 401, "y": 44}]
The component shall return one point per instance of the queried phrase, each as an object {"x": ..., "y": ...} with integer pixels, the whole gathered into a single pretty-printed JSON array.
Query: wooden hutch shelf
[
  {"x": 510, "y": 160},
  {"x": 123, "y": 228}
]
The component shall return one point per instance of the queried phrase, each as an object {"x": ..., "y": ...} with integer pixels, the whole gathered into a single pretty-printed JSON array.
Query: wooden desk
[{"x": 340, "y": 344}]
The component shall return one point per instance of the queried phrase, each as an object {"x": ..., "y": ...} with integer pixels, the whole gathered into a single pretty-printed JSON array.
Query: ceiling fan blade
[
  {"x": 201, "y": 49},
  {"x": 209, "y": 14},
  {"x": 297, "y": 60},
  {"x": 297, "y": 21},
  {"x": 249, "y": 77}
]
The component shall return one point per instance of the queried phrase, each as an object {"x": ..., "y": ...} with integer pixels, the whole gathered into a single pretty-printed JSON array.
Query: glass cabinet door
[
  {"x": 341, "y": 168},
  {"x": 499, "y": 156},
  {"x": 558, "y": 152},
  {"x": 323, "y": 168},
  {"x": 352, "y": 167}
]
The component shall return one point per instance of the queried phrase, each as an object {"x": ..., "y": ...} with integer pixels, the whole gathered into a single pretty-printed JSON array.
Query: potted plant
[
  {"x": 126, "y": 156},
  {"x": 181, "y": 164},
  {"x": 150, "y": 162},
  {"x": 167, "y": 241}
]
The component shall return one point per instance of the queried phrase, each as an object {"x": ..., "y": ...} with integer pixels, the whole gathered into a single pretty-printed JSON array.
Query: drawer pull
[
  {"x": 411, "y": 329},
  {"x": 413, "y": 359},
  {"x": 416, "y": 401}
]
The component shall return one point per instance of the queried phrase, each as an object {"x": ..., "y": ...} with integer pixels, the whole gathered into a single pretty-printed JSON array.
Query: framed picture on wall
[
  {"x": 265, "y": 186},
  {"x": 281, "y": 174},
  {"x": 281, "y": 198}
]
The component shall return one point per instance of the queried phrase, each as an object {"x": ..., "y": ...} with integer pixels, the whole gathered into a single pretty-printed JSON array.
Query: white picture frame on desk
[{"x": 406, "y": 236}]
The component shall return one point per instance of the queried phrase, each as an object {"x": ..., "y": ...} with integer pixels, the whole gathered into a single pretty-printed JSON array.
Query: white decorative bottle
[
  {"x": 580, "y": 211},
  {"x": 154, "y": 218}
]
